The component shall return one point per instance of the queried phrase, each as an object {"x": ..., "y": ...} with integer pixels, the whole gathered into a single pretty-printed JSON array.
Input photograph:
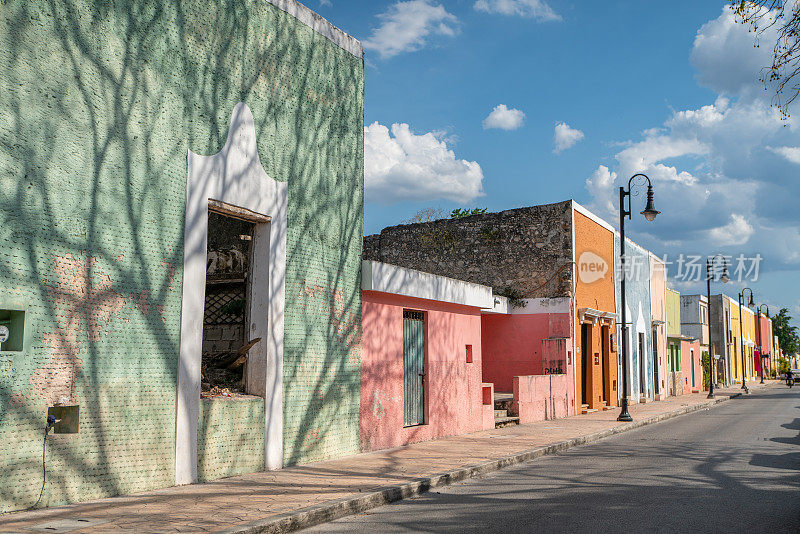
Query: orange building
[{"x": 595, "y": 311}]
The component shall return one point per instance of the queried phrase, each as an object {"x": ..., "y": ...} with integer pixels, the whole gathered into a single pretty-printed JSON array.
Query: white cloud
[
  {"x": 536, "y": 9},
  {"x": 703, "y": 167},
  {"x": 406, "y": 26},
  {"x": 789, "y": 153},
  {"x": 400, "y": 165},
  {"x": 565, "y": 137},
  {"x": 600, "y": 185},
  {"x": 723, "y": 173},
  {"x": 504, "y": 118},
  {"x": 736, "y": 232},
  {"x": 725, "y": 57}
]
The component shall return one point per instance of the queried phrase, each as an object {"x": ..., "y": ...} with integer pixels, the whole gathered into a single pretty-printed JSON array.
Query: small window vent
[
  {"x": 66, "y": 419},
  {"x": 12, "y": 330}
]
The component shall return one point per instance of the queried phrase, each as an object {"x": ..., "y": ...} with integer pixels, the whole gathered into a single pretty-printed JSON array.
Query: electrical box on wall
[
  {"x": 66, "y": 419},
  {"x": 12, "y": 330}
]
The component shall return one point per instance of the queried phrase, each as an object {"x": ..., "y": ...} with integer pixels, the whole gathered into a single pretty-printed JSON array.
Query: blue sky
[{"x": 463, "y": 99}]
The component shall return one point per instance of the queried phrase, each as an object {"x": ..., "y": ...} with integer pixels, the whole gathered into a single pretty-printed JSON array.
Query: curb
[{"x": 332, "y": 510}]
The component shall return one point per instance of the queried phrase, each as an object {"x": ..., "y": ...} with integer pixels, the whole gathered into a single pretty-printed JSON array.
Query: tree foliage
[
  {"x": 466, "y": 212},
  {"x": 787, "y": 334},
  {"x": 761, "y": 16},
  {"x": 426, "y": 215}
]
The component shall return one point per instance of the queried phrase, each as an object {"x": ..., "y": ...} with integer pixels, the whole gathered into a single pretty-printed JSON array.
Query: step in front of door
[{"x": 500, "y": 422}]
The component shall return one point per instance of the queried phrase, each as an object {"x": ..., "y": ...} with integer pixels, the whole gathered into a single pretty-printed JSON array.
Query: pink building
[
  {"x": 528, "y": 351},
  {"x": 658, "y": 312},
  {"x": 691, "y": 364},
  {"x": 421, "y": 374},
  {"x": 765, "y": 326}
]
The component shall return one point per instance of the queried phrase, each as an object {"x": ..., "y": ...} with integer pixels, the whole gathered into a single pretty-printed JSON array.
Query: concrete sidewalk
[{"x": 301, "y": 496}]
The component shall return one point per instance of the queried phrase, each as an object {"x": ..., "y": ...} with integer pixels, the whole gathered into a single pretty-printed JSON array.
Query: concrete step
[
  {"x": 498, "y": 414},
  {"x": 500, "y": 422},
  {"x": 502, "y": 401}
]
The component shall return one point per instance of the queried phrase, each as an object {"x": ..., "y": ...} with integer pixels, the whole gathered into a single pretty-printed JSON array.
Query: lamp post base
[
  {"x": 745, "y": 389},
  {"x": 624, "y": 415},
  {"x": 711, "y": 395}
]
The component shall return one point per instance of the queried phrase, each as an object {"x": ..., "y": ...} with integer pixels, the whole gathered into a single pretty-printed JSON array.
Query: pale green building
[{"x": 181, "y": 207}]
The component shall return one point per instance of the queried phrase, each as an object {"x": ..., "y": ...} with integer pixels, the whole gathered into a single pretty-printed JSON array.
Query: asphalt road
[{"x": 732, "y": 468}]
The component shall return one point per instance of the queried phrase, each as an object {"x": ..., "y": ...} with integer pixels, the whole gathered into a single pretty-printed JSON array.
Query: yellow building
[
  {"x": 749, "y": 335},
  {"x": 735, "y": 341}
]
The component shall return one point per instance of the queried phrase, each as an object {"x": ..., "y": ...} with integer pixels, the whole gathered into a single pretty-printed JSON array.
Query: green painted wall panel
[
  {"x": 99, "y": 104},
  {"x": 230, "y": 437}
]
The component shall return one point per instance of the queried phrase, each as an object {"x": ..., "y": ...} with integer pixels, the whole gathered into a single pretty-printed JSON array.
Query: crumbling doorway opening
[
  {"x": 233, "y": 178},
  {"x": 248, "y": 234},
  {"x": 226, "y": 341}
]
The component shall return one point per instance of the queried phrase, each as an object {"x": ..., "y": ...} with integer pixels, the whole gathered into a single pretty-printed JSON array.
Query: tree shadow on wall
[{"x": 101, "y": 103}]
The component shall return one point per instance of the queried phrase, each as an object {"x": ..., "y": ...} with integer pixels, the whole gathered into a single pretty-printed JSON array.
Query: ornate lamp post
[
  {"x": 741, "y": 334},
  {"x": 650, "y": 214},
  {"x": 709, "y": 274},
  {"x": 758, "y": 333}
]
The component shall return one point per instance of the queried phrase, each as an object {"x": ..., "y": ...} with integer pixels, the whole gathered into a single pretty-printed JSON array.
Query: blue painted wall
[{"x": 639, "y": 318}]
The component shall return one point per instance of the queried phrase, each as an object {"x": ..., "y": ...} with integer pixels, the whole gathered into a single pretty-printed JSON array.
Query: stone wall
[{"x": 527, "y": 250}]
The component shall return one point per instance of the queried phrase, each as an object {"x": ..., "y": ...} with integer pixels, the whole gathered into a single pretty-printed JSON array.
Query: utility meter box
[
  {"x": 12, "y": 330},
  {"x": 66, "y": 419}
]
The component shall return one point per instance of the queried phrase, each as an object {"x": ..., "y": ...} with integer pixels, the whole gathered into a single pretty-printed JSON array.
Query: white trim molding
[
  {"x": 386, "y": 278},
  {"x": 543, "y": 305},
  {"x": 592, "y": 216},
  {"x": 233, "y": 176},
  {"x": 590, "y": 315},
  {"x": 320, "y": 25}
]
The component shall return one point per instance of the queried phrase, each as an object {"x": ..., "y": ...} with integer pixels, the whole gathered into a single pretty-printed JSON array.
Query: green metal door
[{"x": 413, "y": 367}]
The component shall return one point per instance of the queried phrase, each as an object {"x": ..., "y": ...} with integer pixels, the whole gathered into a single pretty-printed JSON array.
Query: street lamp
[
  {"x": 741, "y": 333},
  {"x": 650, "y": 214},
  {"x": 710, "y": 271},
  {"x": 758, "y": 333}
]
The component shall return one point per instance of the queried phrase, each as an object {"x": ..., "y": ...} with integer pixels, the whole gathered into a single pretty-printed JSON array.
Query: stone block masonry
[
  {"x": 100, "y": 104},
  {"x": 525, "y": 251}
]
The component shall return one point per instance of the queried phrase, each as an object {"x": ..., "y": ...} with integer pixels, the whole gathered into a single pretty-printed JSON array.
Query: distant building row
[{"x": 551, "y": 344}]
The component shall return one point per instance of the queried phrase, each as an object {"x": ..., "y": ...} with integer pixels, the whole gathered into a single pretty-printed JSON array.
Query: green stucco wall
[
  {"x": 230, "y": 437},
  {"x": 99, "y": 104}
]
